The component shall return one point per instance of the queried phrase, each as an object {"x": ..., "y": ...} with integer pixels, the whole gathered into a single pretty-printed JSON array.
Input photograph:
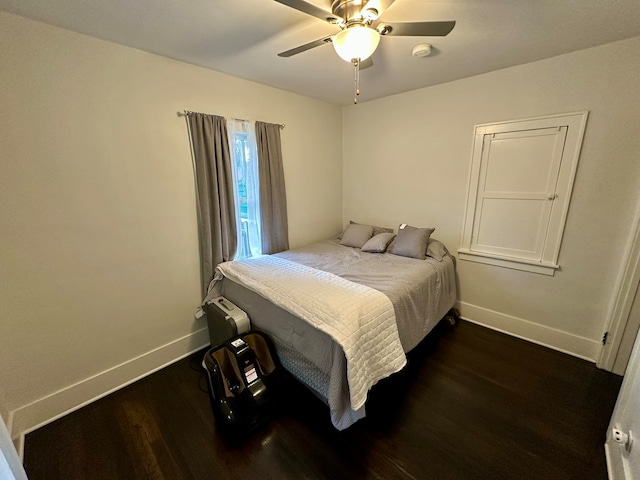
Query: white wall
[
  {"x": 406, "y": 159},
  {"x": 98, "y": 243}
]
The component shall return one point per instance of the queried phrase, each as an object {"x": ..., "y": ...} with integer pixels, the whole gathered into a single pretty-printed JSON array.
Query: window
[
  {"x": 246, "y": 191},
  {"x": 519, "y": 190}
]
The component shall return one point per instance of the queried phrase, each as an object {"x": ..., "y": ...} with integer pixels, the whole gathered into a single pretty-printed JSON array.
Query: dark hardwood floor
[{"x": 471, "y": 404}]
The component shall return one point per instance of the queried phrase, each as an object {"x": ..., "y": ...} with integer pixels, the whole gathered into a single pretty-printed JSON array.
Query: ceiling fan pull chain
[
  {"x": 356, "y": 64},
  {"x": 358, "y": 77}
]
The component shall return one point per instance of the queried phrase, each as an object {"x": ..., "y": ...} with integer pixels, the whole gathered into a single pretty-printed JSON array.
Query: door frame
[
  {"x": 624, "y": 296},
  {"x": 10, "y": 464}
]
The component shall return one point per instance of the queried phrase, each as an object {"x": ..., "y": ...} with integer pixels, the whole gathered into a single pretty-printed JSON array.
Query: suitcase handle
[{"x": 225, "y": 305}]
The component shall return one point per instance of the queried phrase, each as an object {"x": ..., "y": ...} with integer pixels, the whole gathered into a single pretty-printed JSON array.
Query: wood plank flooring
[{"x": 471, "y": 404}]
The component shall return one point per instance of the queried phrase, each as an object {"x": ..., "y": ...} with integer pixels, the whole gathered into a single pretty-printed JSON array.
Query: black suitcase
[{"x": 245, "y": 381}]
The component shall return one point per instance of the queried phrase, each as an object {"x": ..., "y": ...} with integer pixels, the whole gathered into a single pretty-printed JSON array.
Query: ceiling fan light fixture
[{"x": 357, "y": 41}]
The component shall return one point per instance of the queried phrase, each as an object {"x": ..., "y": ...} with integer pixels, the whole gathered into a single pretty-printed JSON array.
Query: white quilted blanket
[{"x": 359, "y": 318}]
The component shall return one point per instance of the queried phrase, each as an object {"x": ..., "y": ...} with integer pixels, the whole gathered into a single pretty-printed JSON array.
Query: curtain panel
[
  {"x": 214, "y": 192},
  {"x": 273, "y": 197}
]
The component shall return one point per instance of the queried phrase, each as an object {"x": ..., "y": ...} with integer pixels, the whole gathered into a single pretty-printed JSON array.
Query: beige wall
[
  {"x": 98, "y": 243},
  {"x": 407, "y": 157}
]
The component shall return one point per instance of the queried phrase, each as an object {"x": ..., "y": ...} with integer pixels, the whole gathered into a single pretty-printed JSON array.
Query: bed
[{"x": 340, "y": 318}]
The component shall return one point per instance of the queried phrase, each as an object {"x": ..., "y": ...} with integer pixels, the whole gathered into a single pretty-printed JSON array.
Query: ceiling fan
[{"x": 360, "y": 29}]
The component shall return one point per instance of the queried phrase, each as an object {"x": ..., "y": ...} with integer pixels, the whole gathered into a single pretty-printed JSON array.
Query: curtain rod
[{"x": 187, "y": 112}]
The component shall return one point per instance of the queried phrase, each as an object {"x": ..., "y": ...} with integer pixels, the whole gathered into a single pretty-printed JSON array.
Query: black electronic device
[{"x": 245, "y": 380}]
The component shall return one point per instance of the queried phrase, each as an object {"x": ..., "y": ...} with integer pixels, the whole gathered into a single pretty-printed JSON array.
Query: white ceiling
[{"x": 243, "y": 37}]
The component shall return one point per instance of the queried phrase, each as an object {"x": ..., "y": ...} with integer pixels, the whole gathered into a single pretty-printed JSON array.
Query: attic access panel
[{"x": 520, "y": 185}]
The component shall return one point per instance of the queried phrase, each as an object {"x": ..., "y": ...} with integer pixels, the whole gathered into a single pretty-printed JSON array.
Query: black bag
[{"x": 245, "y": 379}]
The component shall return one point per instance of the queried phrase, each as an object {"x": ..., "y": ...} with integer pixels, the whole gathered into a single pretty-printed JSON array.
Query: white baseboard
[
  {"x": 51, "y": 407},
  {"x": 36, "y": 414},
  {"x": 565, "y": 342}
]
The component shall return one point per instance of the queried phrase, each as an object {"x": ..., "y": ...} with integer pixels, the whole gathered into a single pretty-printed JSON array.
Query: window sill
[{"x": 508, "y": 262}]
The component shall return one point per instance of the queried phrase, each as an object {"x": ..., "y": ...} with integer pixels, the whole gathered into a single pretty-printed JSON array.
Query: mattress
[{"x": 420, "y": 291}]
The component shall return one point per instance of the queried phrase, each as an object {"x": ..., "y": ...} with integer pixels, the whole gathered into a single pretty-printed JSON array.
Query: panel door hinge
[{"x": 604, "y": 338}]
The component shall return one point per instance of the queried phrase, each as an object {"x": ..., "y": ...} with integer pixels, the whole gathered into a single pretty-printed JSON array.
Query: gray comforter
[{"x": 421, "y": 291}]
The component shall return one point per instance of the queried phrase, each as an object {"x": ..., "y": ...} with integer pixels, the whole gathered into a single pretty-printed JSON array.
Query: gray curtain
[
  {"x": 273, "y": 198},
  {"x": 214, "y": 192}
]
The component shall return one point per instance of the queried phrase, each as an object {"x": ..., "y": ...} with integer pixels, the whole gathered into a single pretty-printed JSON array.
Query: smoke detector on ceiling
[{"x": 421, "y": 50}]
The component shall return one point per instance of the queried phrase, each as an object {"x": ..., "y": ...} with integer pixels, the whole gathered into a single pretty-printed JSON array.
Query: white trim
[
  {"x": 625, "y": 293},
  {"x": 508, "y": 262},
  {"x": 40, "y": 412},
  {"x": 18, "y": 441},
  {"x": 549, "y": 237},
  {"x": 612, "y": 468},
  {"x": 10, "y": 460},
  {"x": 19, "y": 444},
  {"x": 555, "y": 339}
]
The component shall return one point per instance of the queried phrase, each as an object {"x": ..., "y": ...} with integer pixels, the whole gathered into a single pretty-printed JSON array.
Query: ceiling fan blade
[
  {"x": 309, "y": 9},
  {"x": 366, "y": 63},
  {"x": 419, "y": 29},
  {"x": 306, "y": 46}
]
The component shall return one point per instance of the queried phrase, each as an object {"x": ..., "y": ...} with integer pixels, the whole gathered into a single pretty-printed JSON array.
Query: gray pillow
[
  {"x": 412, "y": 242},
  {"x": 356, "y": 235},
  {"x": 378, "y": 243},
  {"x": 376, "y": 230},
  {"x": 436, "y": 249},
  {"x": 379, "y": 230}
]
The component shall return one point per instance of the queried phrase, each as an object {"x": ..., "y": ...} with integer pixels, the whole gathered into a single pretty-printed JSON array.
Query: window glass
[{"x": 246, "y": 187}]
